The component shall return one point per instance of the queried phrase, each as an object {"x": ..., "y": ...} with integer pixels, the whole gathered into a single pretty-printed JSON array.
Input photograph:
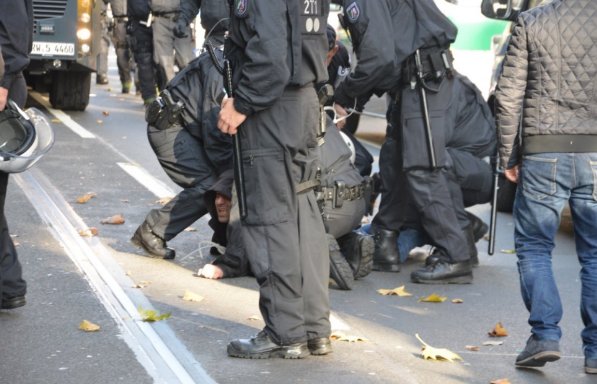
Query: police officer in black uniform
[
  {"x": 182, "y": 132},
  {"x": 16, "y": 15},
  {"x": 277, "y": 51},
  {"x": 415, "y": 171},
  {"x": 120, "y": 42},
  {"x": 141, "y": 39}
]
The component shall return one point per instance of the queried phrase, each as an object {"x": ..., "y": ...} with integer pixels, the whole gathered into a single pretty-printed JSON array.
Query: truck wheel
[
  {"x": 506, "y": 193},
  {"x": 70, "y": 90}
]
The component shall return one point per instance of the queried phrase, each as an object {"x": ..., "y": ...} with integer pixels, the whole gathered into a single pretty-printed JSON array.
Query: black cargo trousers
[
  {"x": 283, "y": 233},
  {"x": 184, "y": 159},
  {"x": 411, "y": 190},
  {"x": 141, "y": 40}
]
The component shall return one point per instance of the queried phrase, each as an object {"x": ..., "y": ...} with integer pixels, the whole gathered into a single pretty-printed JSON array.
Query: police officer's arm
[
  {"x": 189, "y": 10},
  {"x": 374, "y": 49},
  {"x": 265, "y": 72},
  {"x": 509, "y": 97},
  {"x": 218, "y": 146}
]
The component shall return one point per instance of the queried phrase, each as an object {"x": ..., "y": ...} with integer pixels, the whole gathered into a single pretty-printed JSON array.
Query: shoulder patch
[
  {"x": 241, "y": 8},
  {"x": 353, "y": 12}
]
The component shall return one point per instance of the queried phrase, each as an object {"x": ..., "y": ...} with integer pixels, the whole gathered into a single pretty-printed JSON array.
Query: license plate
[{"x": 53, "y": 49}]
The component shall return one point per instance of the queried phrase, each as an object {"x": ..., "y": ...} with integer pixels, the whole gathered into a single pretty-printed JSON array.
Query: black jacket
[
  {"x": 16, "y": 37},
  {"x": 200, "y": 87},
  {"x": 549, "y": 82},
  {"x": 376, "y": 26},
  {"x": 273, "y": 45}
]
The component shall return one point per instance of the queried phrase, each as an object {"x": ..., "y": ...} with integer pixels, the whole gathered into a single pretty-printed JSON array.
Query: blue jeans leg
[
  {"x": 539, "y": 201},
  {"x": 583, "y": 206}
]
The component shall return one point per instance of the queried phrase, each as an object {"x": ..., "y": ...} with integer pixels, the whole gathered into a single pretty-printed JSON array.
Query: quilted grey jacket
[{"x": 549, "y": 81}]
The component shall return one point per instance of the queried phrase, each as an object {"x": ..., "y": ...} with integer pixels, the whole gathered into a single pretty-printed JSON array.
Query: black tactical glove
[{"x": 181, "y": 29}]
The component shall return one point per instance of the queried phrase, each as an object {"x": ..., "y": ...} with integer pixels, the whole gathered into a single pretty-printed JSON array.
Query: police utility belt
[
  {"x": 164, "y": 112},
  {"x": 340, "y": 193},
  {"x": 436, "y": 63}
]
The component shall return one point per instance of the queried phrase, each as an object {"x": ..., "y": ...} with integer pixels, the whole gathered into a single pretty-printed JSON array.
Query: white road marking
[
  {"x": 157, "y": 348},
  {"x": 66, "y": 119},
  {"x": 154, "y": 185}
]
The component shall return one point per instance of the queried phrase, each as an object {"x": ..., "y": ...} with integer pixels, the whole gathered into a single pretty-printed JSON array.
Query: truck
[{"x": 66, "y": 41}]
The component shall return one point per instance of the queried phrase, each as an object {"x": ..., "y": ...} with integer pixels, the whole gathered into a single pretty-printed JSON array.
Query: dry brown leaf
[
  {"x": 500, "y": 381},
  {"x": 190, "y": 229},
  {"x": 192, "y": 296},
  {"x": 100, "y": 121},
  {"x": 254, "y": 317},
  {"x": 492, "y": 343},
  {"x": 457, "y": 301},
  {"x": 498, "y": 331},
  {"x": 431, "y": 353},
  {"x": 508, "y": 251},
  {"x": 105, "y": 113},
  {"x": 88, "y": 232},
  {"x": 116, "y": 220},
  {"x": 88, "y": 326},
  {"x": 56, "y": 121},
  {"x": 400, "y": 291},
  {"x": 164, "y": 200},
  {"x": 433, "y": 298},
  {"x": 85, "y": 198},
  {"x": 473, "y": 348},
  {"x": 340, "y": 336}
]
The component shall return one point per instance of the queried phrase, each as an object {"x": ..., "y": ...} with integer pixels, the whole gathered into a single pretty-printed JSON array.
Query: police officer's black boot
[
  {"x": 358, "y": 248},
  {"x": 478, "y": 226},
  {"x": 439, "y": 269},
  {"x": 154, "y": 245},
  {"x": 340, "y": 270},
  {"x": 263, "y": 346},
  {"x": 385, "y": 255},
  {"x": 472, "y": 247}
]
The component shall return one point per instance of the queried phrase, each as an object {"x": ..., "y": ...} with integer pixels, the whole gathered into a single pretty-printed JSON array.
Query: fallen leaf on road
[
  {"x": 433, "y": 298},
  {"x": 100, "y": 121},
  {"x": 500, "y": 381},
  {"x": 85, "y": 198},
  {"x": 498, "y": 331},
  {"x": 149, "y": 315},
  {"x": 431, "y": 353},
  {"x": 340, "y": 336},
  {"x": 400, "y": 291},
  {"x": 190, "y": 229},
  {"x": 254, "y": 317},
  {"x": 88, "y": 232},
  {"x": 508, "y": 251},
  {"x": 457, "y": 301},
  {"x": 116, "y": 220},
  {"x": 88, "y": 326},
  {"x": 473, "y": 348},
  {"x": 191, "y": 296},
  {"x": 56, "y": 121},
  {"x": 142, "y": 284},
  {"x": 493, "y": 343},
  {"x": 105, "y": 113}
]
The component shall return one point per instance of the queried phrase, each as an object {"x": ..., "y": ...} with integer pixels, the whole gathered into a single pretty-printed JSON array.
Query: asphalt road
[{"x": 106, "y": 280}]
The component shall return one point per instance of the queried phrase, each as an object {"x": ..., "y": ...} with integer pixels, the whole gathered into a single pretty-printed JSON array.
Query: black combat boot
[
  {"x": 358, "y": 248},
  {"x": 263, "y": 347},
  {"x": 472, "y": 247},
  {"x": 438, "y": 270},
  {"x": 478, "y": 226},
  {"x": 340, "y": 270},
  {"x": 320, "y": 346},
  {"x": 154, "y": 245},
  {"x": 13, "y": 302},
  {"x": 385, "y": 254}
]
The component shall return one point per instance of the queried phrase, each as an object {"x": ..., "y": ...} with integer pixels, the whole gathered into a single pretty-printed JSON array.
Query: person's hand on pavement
[{"x": 210, "y": 271}]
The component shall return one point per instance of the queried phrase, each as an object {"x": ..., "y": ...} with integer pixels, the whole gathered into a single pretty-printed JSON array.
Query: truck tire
[
  {"x": 506, "y": 193},
  {"x": 70, "y": 90}
]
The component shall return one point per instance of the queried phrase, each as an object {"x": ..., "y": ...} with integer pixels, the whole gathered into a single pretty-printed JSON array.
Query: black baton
[
  {"x": 239, "y": 175},
  {"x": 494, "y": 197},
  {"x": 425, "y": 110}
]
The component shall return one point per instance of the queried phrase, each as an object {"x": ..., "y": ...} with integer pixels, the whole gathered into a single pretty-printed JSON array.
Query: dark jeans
[{"x": 547, "y": 182}]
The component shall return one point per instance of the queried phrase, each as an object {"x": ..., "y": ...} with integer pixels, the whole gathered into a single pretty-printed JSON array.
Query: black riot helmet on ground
[{"x": 25, "y": 136}]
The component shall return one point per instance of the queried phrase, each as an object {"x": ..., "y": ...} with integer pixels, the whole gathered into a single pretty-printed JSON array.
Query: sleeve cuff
[{"x": 243, "y": 107}]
